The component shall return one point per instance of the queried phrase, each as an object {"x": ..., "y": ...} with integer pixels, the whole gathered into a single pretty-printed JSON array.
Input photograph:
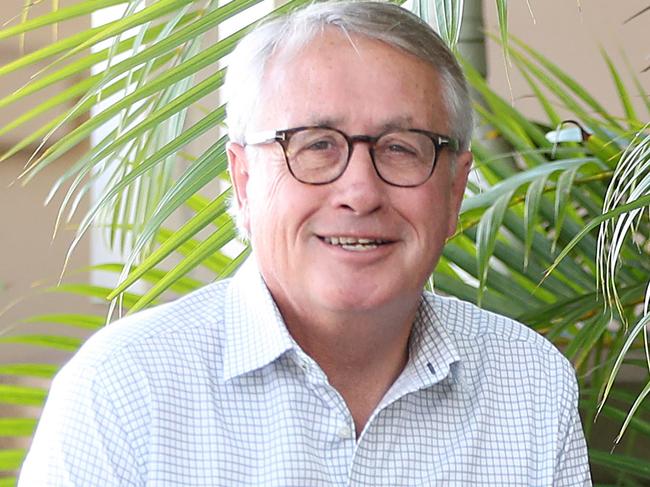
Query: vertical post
[{"x": 471, "y": 43}]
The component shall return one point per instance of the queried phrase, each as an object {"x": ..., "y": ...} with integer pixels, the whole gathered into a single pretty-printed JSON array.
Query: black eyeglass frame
[{"x": 284, "y": 136}]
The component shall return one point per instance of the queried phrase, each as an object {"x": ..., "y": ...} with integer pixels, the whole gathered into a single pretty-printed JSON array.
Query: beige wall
[
  {"x": 571, "y": 34},
  {"x": 28, "y": 254},
  {"x": 30, "y": 259}
]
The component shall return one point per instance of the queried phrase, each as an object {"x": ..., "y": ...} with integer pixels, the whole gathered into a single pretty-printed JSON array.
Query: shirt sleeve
[
  {"x": 81, "y": 439},
  {"x": 572, "y": 468}
]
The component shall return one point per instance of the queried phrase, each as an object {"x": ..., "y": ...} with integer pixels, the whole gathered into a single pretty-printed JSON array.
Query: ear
[
  {"x": 238, "y": 167},
  {"x": 458, "y": 183}
]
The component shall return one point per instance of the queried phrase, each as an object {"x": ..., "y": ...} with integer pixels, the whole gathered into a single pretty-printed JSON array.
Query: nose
[{"x": 359, "y": 189}]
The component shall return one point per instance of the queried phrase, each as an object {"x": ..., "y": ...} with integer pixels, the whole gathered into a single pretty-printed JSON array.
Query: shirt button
[{"x": 345, "y": 432}]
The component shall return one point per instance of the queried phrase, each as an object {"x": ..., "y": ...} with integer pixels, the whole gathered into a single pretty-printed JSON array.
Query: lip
[
  {"x": 343, "y": 239},
  {"x": 357, "y": 236}
]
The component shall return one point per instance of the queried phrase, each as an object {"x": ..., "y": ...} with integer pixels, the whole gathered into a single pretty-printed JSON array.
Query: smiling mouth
[{"x": 355, "y": 244}]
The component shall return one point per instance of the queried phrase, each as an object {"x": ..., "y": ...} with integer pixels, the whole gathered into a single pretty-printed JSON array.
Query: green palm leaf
[{"x": 526, "y": 245}]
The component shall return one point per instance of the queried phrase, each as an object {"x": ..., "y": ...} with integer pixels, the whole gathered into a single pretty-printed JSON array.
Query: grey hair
[
  {"x": 381, "y": 21},
  {"x": 385, "y": 22}
]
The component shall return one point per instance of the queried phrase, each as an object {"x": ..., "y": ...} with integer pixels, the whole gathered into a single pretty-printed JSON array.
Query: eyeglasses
[{"x": 320, "y": 155}]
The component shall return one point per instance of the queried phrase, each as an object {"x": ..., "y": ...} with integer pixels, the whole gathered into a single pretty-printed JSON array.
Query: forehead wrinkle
[
  {"x": 395, "y": 123},
  {"x": 400, "y": 122},
  {"x": 321, "y": 115},
  {"x": 325, "y": 121}
]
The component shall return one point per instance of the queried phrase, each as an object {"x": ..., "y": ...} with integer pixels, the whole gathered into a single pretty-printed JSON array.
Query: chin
[{"x": 358, "y": 298}]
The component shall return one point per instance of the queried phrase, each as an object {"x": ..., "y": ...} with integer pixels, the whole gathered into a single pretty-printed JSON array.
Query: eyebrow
[
  {"x": 326, "y": 122},
  {"x": 403, "y": 122}
]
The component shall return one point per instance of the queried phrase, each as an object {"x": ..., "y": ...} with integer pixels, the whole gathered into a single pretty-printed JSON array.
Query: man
[{"x": 322, "y": 362}]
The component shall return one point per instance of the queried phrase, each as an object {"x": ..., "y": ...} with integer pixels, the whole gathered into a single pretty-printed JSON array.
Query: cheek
[
  {"x": 265, "y": 193},
  {"x": 267, "y": 176},
  {"x": 430, "y": 215}
]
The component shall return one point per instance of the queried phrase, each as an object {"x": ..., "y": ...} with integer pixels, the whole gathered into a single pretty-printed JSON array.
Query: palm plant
[
  {"x": 527, "y": 211},
  {"x": 527, "y": 246}
]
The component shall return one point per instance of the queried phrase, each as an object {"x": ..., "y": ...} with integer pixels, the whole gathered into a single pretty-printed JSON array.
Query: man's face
[{"x": 360, "y": 89}]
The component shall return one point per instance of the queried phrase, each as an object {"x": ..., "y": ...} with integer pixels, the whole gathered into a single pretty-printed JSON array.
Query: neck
[{"x": 362, "y": 353}]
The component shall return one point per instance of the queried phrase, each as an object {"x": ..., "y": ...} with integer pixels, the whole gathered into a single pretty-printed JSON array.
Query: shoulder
[
  {"x": 469, "y": 320},
  {"x": 103, "y": 405},
  {"x": 492, "y": 343},
  {"x": 169, "y": 328}
]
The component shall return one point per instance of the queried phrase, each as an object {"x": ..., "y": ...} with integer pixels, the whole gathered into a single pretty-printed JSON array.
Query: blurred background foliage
[{"x": 554, "y": 230}]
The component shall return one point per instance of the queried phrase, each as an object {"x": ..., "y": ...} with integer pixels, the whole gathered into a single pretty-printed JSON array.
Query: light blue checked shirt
[{"x": 211, "y": 390}]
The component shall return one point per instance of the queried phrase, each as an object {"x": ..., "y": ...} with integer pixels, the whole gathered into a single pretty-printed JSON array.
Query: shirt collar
[
  {"x": 256, "y": 334},
  {"x": 432, "y": 352},
  {"x": 255, "y": 331},
  {"x": 432, "y": 355}
]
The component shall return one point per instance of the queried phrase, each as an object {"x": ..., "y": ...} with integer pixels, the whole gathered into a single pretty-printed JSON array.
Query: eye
[
  {"x": 314, "y": 141},
  {"x": 405, "y": 146},
  {"x": 320, "y": 145},
  {"x": 399, "y": 148}
]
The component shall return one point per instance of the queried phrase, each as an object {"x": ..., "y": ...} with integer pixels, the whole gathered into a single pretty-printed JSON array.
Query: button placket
[
  {"x": 304, "y": 365},
  {"x": 345, "y": 432}
]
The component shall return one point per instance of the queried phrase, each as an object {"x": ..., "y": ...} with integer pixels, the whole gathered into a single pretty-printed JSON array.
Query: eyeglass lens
[{"x": 320, "y": 155}]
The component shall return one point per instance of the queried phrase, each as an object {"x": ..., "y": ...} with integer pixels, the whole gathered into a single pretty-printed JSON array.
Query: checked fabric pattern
[{"x": 211, "y": 390}]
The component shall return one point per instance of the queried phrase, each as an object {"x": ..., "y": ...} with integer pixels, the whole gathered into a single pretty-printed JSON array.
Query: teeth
[
  {"x": 353, "y": 243},
  {"x": 358, "y": 247}
]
